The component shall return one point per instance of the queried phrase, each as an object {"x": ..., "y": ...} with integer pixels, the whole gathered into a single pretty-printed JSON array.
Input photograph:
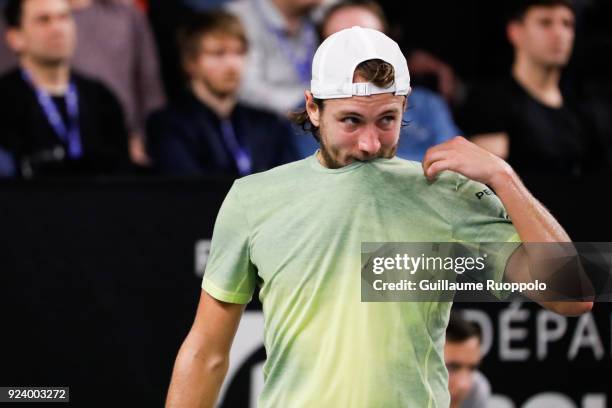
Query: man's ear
[
  {"x": 513, "y": 32},
  {"x": 14, "y": 39},
  {"x": 188, "y": 64},
  {"x": 312, "y": 109}
]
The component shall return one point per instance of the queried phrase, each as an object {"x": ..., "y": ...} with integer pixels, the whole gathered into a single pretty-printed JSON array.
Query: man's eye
[
  {"x": 350, "y": 120},
  {"x": 215, "y": 52},
  {"x": 387, "y": 120},
  {"x": 546, "y": 22},
  {"x": 453, "y": 367}
]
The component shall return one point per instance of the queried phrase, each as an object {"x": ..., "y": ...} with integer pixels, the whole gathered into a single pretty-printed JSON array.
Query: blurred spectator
[
  {"x": 425, "y": 68},
  {"x": 165, "y": 18},
  {"x": 282, "y": 42},
  {"x": 428, "y": 118},
  {"x": 115, "y": 45},
  {"x": 467, "y": 386},
  {"x": 207, "y": 131},
  {"x": 528, "y": 118},
  {"x": 54, "y": 121},
  {"x": 422, "y": 64}
]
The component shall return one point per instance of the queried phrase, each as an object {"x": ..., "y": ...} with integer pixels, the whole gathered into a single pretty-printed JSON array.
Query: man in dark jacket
[
  {"x": 206, "y": 131},
  {"x": 54, "y": 122}
]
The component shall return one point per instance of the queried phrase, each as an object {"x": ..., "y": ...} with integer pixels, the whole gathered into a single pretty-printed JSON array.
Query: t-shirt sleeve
[
  {"x": 481, "y": 224},
  {"x": 230, "y": 276}
]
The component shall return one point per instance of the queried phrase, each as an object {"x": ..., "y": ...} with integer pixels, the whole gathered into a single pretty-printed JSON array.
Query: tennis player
[{"x": 296, "y": 232}]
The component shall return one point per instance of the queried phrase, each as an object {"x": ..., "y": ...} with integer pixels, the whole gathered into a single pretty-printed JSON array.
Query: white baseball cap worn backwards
[{"x": 337, "y": 57}]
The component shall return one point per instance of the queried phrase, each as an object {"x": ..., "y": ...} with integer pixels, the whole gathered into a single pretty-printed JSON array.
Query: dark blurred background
[{"x": 100, "y": 273}]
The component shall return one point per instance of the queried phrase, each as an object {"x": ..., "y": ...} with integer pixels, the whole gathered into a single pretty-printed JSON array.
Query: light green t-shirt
[{"x": 296, "y": 232}]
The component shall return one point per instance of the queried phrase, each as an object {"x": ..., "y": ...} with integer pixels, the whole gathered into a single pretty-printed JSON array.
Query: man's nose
[
  {"x": 561, "y": 31},
  {"x": 235, "y": 63},
  {"x": 369, "y": 143}
]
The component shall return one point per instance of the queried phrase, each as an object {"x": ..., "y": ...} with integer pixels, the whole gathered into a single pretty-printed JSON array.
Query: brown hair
[
  {"x": 198, "y": 25},
  {"x": 376, "y": 71},
  {"x": 459, "y": 329},
  {"x": 519, "y": 11}
]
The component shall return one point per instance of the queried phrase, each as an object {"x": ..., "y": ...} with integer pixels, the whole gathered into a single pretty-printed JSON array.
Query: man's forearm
[
  {"x": 532, "y": 221},
  {"x": 196, "y": 379},
  {"x": 535, "y": 224}
]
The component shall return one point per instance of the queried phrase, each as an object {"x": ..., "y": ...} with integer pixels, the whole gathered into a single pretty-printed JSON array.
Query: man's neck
[
  {"x": 540, "y": 82},
  {"x": 80, "y": 4},
  {"x": 221, "y": 105},
  {"x": 293, "y": 19},
  {"x": 52, "y": 78}
]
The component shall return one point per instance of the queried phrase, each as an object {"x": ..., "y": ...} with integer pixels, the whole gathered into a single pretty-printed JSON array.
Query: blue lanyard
[
  {"x": 242, "y": 159},
  {"x": 69, "y": 133},
  {"x": 303, "y": 65}
]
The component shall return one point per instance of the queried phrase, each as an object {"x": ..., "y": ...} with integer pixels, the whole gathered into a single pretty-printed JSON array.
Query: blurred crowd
[{"x": 196, "y": 88}]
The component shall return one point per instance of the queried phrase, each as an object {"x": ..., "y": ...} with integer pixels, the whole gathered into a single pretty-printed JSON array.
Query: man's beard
[
  {"x": 217, "y": 92},
  {"x": 330, "y": 155},
  {"x": 50, "y": 62}
]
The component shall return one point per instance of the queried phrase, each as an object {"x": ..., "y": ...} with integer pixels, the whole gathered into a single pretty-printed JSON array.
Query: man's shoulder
[
  {"x": 491, "y": 106},
  {"x": 276, "y": 177},
  {"x": 15, "y": 95},
  {"x": 182, "y": 108},
  {"x": 161, "y": 116},
  {"x": 421, "y": 94},
  {"x": 410, "y": 171},
  {"x": 447, "y": 183},
  {"x": 259, "y": 119},
  {"x": 256, "y": 113},
  {"x": 84, "y": 80},
  {"x": 179, "y": 119},
  {"x": 498, "y": 90},
  {"x": 11, "y": 81},
  {"x": 93, "y": 89}
]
